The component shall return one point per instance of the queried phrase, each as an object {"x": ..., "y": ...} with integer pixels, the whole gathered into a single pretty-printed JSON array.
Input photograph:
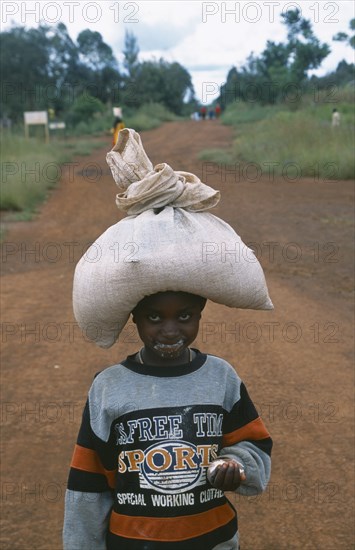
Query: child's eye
[
  {"x": 185, "y": 317},
  {"x": 154, "y": 318}
]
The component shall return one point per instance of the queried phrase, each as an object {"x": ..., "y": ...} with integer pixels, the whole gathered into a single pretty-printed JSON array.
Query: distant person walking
[
  {"x": 218, "y": 110},
  {"x": 335, "y": 118},
  {"x": 117, "y": 125},
  {"x": 203, "y": 112}
]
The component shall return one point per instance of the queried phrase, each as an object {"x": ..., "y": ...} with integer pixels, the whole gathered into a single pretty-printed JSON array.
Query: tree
[
  {"x": 304, "y": 49},
  {"x": 177, "y": 86},
  {"x": 84, "y": 108},
  {"x": 64, "y": 68},
  {"x": 64, "y": 54},
  {"x": 130, "y": 52},
  {"x": 94, "y": 52},
  {"x": 344, "y": 37},
  {"x": 103, "y": 78},
  {"x": 279, "y": 68},
  {"x": 24, "y": 59},
  {"x": 160, "y": 82},
  {"x": 343, "y": 75},
  {"x": 44, "y": 68}
]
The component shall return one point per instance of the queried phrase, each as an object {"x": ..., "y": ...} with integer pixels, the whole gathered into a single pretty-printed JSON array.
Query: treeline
[
  {"x": 43, "y": 68},
  {"x": 279, "y": 73}
]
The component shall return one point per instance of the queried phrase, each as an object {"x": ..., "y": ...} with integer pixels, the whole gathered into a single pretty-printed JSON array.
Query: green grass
[
  {"x": 30, "y": 168},
  {"x": 291, "y": 143},
  {"x": 243, "y": 113},
  {"x": 94, "y": 127},
  {"x": 148, "y": 116},
  {"x": 218, "y": 156}
]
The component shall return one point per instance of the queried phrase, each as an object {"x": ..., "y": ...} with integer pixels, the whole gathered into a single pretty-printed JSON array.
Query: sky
[{"x": 207, "y": 38}]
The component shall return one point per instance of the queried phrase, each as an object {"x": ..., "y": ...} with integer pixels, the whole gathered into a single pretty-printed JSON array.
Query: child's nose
[{"x": 170, "y": 329}]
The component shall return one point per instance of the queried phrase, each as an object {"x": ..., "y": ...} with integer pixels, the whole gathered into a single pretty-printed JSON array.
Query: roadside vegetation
[
  {"x": 77, "y": 83},
  {"x": 31, "y": 167},
  {"x": 292, "y": 143},
  {"x": 290, "y": 136},
  {"x": 282, "y": 117}
]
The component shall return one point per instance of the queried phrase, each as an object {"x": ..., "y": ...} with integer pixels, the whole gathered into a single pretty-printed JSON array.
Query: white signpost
[
  {"x": 57, "y": 125},
  {"x": 36, "y": 118}
]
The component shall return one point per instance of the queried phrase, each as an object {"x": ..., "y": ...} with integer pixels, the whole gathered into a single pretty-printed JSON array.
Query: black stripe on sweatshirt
[{"x": 204, "y": 542}]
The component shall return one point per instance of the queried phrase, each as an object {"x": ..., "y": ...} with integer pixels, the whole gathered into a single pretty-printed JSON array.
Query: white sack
[{"x": 172, "y": 248}]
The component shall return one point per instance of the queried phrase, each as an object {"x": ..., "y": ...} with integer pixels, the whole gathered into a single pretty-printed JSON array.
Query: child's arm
[
  {"x": 256, "y": 464},
  {"x": 245, "y": 468},
  {"x": 86, "y": 520},
  {"x": 246, "y": 450},
  {"x": 89, "y": 496}
]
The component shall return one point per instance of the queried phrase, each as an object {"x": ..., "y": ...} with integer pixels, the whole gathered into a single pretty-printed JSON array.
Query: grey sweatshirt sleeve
[
  {"x": 256, "y": 463},
  {"x": 86, "y": 520},
  {"x": 246, "y": 438},
  {"x": 89, "y": 496}
]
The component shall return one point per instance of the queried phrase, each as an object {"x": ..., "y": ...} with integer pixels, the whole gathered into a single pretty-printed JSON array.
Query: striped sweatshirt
[{"x": 138, "y": 474}]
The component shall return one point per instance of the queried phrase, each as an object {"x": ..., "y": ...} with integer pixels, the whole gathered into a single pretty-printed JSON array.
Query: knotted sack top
[{"x": 143, "y": 187}]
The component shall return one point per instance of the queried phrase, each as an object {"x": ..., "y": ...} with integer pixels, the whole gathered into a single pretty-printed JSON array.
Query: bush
[
  {"x": 84, "y": 109},
  {"x": 241, "y": 113},
  {"x": 298, "y": 143},
  {"x": 150, "y": 115},
  {"x": 300, "y": 146}
]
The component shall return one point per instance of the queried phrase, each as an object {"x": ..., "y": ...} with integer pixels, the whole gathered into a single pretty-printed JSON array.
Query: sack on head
[{"x": 167, "y": 243}]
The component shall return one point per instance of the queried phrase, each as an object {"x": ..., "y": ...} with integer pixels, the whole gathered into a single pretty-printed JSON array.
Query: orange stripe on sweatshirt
[
  {"x": 87, "y": 460},
  {"x": 170, "y": 529},
  {"x": 255, "y": 430}
]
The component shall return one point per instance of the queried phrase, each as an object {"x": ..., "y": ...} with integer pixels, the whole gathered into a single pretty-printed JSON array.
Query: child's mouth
[{"x": 170, "y": 351}]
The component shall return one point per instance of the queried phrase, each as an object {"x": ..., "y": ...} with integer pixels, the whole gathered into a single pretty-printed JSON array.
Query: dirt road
[{"x": 296, "y": 361}]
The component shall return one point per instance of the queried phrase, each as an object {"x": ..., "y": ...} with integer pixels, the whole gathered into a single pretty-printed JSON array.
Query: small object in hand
[{"x": 211, "y": 472}]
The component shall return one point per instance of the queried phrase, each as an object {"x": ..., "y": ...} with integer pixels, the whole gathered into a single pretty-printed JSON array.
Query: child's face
[{"x": 167, "y": 324}]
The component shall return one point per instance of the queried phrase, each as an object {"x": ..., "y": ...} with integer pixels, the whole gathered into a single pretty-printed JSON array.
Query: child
[
  {"x": 335, "y": 118},
  {"x": 140, "y": 476},
  {"x": 117, "y": 126}
]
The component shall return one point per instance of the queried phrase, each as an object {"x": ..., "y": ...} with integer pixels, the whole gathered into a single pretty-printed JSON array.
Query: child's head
[{"x": 167, "y": 323}]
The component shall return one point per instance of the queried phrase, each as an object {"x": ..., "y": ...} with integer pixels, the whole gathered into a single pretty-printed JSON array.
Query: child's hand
[{"x": 225, "y": 474}]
